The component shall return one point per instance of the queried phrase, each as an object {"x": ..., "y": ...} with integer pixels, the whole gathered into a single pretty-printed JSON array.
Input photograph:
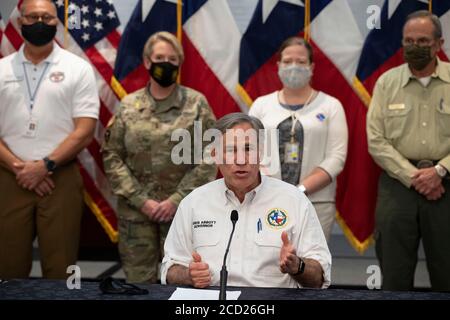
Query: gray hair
[
  {"x": 225, "y": 124},
  {"x": 232, "y": 119},
  {"x": 433, "y": 18}
]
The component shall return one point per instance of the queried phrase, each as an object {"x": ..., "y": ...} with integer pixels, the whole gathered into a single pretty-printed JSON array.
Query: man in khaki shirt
[{"x": 408, "y": 130}]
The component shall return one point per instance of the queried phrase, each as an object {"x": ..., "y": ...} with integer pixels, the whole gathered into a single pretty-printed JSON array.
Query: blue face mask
[{"x": 294, "y": 76}]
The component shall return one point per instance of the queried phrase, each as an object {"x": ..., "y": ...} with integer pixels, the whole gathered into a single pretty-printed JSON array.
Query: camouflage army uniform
[{"x": 137, "y": 160}]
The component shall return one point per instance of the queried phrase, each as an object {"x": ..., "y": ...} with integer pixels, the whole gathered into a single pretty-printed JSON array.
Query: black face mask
[
  {"x": 417, "y": 57},
  {"x": 164, "y": 73},
  {"x": 39, "y": 33}
]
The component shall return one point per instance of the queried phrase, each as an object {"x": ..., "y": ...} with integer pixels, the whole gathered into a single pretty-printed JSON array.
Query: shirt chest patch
[
  {"x": 204, "y": 224},
  {"x": 321, "y": 117},
  {"x": 57, "y": 76},
  {"x": 277, "y": 218}
]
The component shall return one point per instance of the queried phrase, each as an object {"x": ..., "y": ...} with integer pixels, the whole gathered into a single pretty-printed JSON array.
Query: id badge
[
  {"x": 31, "y": 128},
  {"x": 291, "y": 152}
]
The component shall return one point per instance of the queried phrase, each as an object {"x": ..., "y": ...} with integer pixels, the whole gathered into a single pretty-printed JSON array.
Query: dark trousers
[
  {"x": 54, "y": 219},
  {"x": 403, "y": 218}
]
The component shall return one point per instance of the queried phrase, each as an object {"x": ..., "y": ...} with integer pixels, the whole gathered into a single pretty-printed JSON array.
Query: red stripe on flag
[
  {"x": 100, "y": 63},
  {"x": 197, "y": 75},
  {"x": 114, "y": 38},
  {"x": 104, "y": 114},
  {"x": 443, "y": 56},
  {"x": 263, "y": 81},
  {"x": 94, "y": 150},
  {"x": 136, "y": 79},
  {"x": 357, "y": 184},
  {"x": 394, "y": 61},
  {"x": 13, "y": 36},
  {"x": 98, "y": 198}
]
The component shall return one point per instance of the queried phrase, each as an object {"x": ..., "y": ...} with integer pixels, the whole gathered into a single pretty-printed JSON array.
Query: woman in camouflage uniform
[{"x": 137, "y": 157}]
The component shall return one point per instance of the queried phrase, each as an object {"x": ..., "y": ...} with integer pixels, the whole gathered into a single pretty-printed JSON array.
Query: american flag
[{"x": 93, "y": 35}]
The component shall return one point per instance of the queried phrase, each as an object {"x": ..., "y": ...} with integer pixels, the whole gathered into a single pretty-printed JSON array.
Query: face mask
[
  {"x": 164, "y": 73},
  {"x": 39, "y": 33},
  {"x": 294, "y": 76},
  {"x": 417, "y": 57}
]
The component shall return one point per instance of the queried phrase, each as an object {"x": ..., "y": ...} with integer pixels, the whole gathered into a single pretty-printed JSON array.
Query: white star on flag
[
  {"x": 269, "y": 5},
  {"x": 147, "y": 6},
  {"x": 393, "y": 5},
  {"x": 85, "y": 9},
  {"x": 98, "y": 12},
  {"x": 111, "y": 14},
  {"x": 98, "y": 26},
  {"x": 85, "y": 23}
]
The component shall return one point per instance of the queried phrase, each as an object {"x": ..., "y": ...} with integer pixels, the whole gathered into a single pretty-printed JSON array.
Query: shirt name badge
[
  {"x": 203, "y": 224},
  {"x": 397, "y": 106}
]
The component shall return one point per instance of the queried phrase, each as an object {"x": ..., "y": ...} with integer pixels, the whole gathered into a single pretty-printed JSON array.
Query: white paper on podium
[{"x": 201, "y": 294}]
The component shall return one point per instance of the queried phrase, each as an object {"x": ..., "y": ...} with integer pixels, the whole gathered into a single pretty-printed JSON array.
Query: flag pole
[
  {"x": 66, "y": 24},
  {"x": 179, "y": 29},
  {"x": 430, "y": 5},
  {"x": 307, "y": 31}
]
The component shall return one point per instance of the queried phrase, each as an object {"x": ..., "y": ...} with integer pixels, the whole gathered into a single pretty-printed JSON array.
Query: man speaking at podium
[{"x": 278, "y": 242}]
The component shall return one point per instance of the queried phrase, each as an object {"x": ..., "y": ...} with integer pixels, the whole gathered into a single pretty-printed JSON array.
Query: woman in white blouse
[{"x": 312, "y": 131}]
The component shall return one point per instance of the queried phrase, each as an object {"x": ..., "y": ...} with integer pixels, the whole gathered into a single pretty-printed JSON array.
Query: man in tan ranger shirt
[{"x": 408, "y": 129}]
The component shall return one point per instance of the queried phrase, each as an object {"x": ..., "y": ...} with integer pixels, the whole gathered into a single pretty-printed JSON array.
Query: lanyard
[
  {"x": 32, "y": 95},
  {"x": 294, "y": 118}
]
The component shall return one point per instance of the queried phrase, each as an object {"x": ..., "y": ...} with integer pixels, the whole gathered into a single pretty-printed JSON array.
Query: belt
[{"x": 425, "y": 163}]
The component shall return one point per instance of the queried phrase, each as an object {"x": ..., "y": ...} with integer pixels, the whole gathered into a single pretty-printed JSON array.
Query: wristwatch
[
  {"x": 441, "y": 171},
  {"x": 301, "y": 267},
  {"x": 49, "y": 164}
]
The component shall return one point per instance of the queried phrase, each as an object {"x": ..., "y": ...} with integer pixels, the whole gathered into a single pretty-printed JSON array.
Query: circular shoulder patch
[{"x": 277, "y": 218}]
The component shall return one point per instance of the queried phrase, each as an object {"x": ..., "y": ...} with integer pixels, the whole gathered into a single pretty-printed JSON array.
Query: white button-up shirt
[
  {"x": 202, "y": 224},
  {"x": 67, "y": 90}
]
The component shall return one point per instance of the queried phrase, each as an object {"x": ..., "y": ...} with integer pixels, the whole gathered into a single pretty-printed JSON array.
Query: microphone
[{"x": 224, "y": 273}]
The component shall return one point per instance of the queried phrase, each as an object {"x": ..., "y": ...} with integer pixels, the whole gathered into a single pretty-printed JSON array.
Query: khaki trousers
[{"x": 54, "y": 219}]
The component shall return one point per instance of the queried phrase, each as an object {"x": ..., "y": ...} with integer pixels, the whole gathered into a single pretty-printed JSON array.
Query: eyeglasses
[
  {"x": 421, "y": 42},
  {"x": 33, "y": 18}
]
